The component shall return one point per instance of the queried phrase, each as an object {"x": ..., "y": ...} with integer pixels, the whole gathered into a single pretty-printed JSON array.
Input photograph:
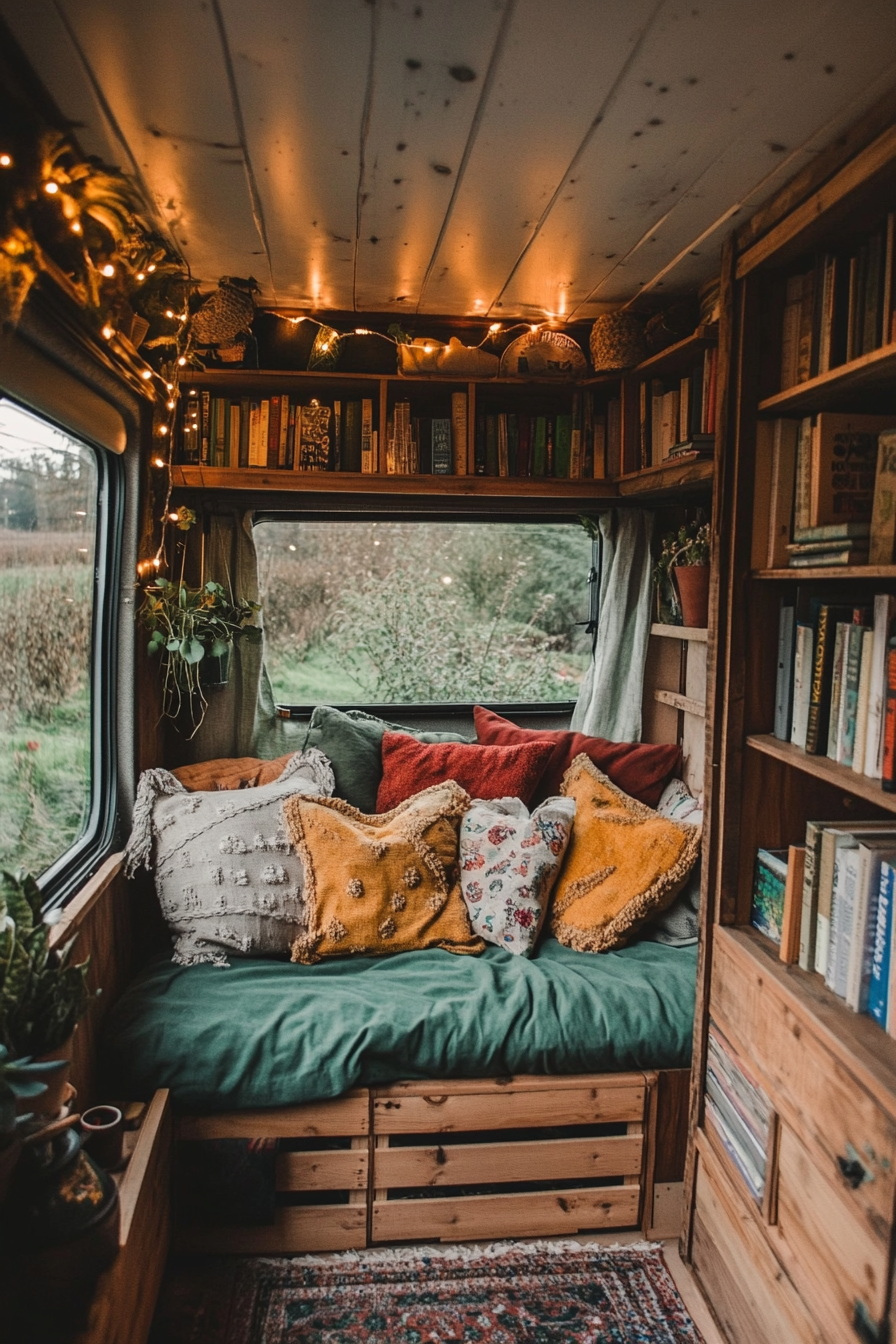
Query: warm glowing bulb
[
  {"x": 76, "y": 227},
  {"x": 51, "y": 188},
  {"x": 108, "y": 332},
  {"x": 163, "y": 429},
  {"x": 291, "y": 547},
  {"x": 151, "y": 267},
  {"x": 169, "y": 312},
  {"x": 362, "y": 331},
  {"x": 427, "y": 349},
  {"x": 534, "y": 326},
  {"x": 495, "y": 326},
  {"x": 181, "y": 361},
  {"x": 108, "y": 269},
  {"x": 184, "y": 316},
  {"x": 170, "y": 405},
  {"x": 5, "y": 161},
  {"x": 326, "y": 345},
  {"x": 158, "y": 461},
  {"x": 157, "y": 563},
  {"x": 146, "y": 374},
  {"x": 141, "y": 275},
  {"x": 173, "y": 517}
]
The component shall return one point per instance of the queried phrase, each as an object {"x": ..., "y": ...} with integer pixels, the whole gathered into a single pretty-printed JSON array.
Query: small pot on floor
[{"x": 692, "y": 583}]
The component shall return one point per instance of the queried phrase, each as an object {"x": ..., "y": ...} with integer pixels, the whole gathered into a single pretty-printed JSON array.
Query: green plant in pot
[
  {"x": 681, "y": 576},
  {"x": 43, "y": 994},
  {"x": 22, "y": 1081},
  {"x": 193, "y": 631}
]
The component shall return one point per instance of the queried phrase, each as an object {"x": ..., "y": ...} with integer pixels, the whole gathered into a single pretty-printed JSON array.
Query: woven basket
[{"x": 617, "y": 341}]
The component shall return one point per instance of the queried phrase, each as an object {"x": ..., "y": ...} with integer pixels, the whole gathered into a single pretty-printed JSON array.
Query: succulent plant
[
  {"x": 20, "y": 1080},
  {"x": 42, "y": 993}
]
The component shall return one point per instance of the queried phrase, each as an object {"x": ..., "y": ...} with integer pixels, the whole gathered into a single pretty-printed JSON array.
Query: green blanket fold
[{"x": 268, "y": 1033}]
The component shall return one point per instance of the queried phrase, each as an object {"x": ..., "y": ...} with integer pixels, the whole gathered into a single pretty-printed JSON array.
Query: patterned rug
[{"x": 506, "y": 1293}]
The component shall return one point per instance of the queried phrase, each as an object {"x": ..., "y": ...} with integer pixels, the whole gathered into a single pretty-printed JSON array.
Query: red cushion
[
  {"x": 641, "y": 769},
  {"x": 485, "y": 772}
]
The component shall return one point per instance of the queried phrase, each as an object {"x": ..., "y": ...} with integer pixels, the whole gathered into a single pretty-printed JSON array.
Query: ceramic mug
[{"x": 103, "y": 1130}]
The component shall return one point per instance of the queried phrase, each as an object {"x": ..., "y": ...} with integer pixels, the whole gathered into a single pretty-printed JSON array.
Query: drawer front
[
  {"x": 814, "y": 1094},
  {"x": 443, "y": 1111},
  {"x": 755, "y": 1302},
  {"x": 827, "y": 1247}
]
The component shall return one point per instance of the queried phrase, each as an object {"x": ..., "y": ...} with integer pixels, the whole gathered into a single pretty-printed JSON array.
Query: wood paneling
[
  {"x": 536, "y": 1214},
  {"x": 488, "y": 1163},
  {"x": 442, "y": 1112},
  {"x": 343, "y": 1169}
]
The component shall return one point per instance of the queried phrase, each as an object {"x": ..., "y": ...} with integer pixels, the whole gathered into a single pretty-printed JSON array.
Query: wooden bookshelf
[
  {"x": 666, "y": 477},
  {"x": 678, "y": 357},
  {"x": 828, "y": 572},
  {"x": 838, "y": 388},
  {"x": 840, "y": 777},
  {"x": 250, "y": 479}
]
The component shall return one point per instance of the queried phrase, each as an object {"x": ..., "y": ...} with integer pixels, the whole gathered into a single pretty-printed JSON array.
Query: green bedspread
[{"x": 267, "y": 1033}]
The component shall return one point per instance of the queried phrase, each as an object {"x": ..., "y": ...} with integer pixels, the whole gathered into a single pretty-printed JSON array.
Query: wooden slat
[
  {"x": 669, "y": 476},
  {"x": 751, "y": 1297},
  {"x": 297, "y": 1231},
  {"x": 126, "y": 1293},
  {"x": 513, "y": 1083},
  {"x": 345, "y": 1169},
  {"x": 838, "y": 776},
  {"x": 256, "y": 478},
  {"x": 486, "y": 1163},
  {"x": 830, "y": 573},
  {"x": 683, "y": 702},
  {"x": 792, "y": 232},
  {"x": 441, "y": 1112},
  {"x": 547, "y": 1213},
  {"x": 692, "y": 633},
  {"x": 837, "y": 387},
  {"x": 78, "y": 908},
  {"x": 348, "y": 1115}
]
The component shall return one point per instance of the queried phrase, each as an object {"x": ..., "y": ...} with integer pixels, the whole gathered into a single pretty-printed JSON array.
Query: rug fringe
[{"x": 416, "y": 1251}]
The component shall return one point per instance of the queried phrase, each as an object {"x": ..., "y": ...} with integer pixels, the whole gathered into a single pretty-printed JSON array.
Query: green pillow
[{"x": 353, "y": 741}]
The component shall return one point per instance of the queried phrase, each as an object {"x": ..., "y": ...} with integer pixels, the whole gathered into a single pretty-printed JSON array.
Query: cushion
[
  {"x": 640, "y": 768},
  {"x": 380, "y": 884},
  {"x": 485, "y": 772},
  {"x": 509, "y": 862},
  {"x": 352, "y": 741},
  {"x": 679, "y": 926},
  {"x": 624, "y": 862},
  {"x": 239, "y": 772},
  {"x": 227, "y": 876}
]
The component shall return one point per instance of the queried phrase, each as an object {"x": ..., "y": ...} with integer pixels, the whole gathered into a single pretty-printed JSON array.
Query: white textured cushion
[
  {"x": 679, "y": 926},
  {"x": 509, "y": 862},
  {"x": 227, "y": 876}
]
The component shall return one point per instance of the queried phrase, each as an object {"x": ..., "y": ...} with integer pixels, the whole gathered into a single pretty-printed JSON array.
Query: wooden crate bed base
[{"x": 453, "y": 1160}]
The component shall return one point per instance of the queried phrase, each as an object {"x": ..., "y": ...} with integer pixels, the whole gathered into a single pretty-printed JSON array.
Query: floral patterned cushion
[{"x": 509, "y": 862}]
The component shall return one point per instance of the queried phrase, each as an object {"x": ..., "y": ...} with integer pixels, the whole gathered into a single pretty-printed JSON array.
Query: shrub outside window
[
  {"x": 378, "y": 612},
  {"x": 49, "y": 489}
]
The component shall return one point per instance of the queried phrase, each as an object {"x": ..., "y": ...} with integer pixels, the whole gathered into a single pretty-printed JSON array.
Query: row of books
[
  {"x": 840, "y": 309},
  {"x": 739, "y": 1110},
  {"x": 835, "y": 692},
  {"x": 279, "y": 434},
  {"x": 829, "y": 904},
  {"x": 825, "y": 491},
  {"x": 677, "y": 416}
]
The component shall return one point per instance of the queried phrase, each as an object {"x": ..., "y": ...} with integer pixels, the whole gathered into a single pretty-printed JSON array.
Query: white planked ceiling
[{"x": 458, "y": 157}]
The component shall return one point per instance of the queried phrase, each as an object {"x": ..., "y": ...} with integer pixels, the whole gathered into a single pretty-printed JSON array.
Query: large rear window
[{"x": 378, "y": 612}]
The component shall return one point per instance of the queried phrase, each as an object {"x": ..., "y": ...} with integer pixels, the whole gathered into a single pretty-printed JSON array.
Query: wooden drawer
[
  {"x": 423, "y": 1108},
  {"x": 754, "y": 1301},
  {"x": 827, "y": 1246},
  {"x": 815, "y": 1094}
]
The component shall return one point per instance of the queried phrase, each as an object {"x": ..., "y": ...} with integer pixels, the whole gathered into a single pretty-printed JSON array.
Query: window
[
  {"x": 424, "y": 612},
  {"x": 49, "y": 492}
]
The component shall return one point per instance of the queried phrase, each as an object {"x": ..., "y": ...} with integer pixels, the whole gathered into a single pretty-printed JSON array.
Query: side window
[
  {"x": 408, "y": 613},
  {"x": 49, "y": 490}
]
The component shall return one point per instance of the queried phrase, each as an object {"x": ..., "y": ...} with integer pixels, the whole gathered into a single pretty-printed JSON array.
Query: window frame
[
  {"x": 383, "y": 509},
  {"x": 75, "y": 865}
]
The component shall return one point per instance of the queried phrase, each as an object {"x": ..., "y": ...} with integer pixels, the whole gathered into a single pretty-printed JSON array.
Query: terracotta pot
[
  {"x": 692, "y": 582},
  {"x": 55, "y": 1096}
]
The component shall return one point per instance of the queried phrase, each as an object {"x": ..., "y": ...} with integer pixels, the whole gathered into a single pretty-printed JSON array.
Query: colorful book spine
[
  {"x": 878, "y": 988},
  {"x": 802, "y": 682},
  {"x": 245, "y": 415},
  {"x": 769, "y": 882},
  {"x": 368, "y": 463},
  {"x": 459, "y": 432},
  {"x": 441, "y": 446},
  {"x": 273, "y": 448},
  {"x": 785, "y": 678}
]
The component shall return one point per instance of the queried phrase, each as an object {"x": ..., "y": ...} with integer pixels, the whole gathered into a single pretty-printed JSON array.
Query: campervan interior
[{"x": 447, "y": 671}]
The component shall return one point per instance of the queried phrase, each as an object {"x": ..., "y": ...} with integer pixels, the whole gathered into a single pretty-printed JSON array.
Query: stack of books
[
  {"x": 677, "y": 416},
  {"x": 840, "y": 309},
  {"x": 739, "y": 1111}
]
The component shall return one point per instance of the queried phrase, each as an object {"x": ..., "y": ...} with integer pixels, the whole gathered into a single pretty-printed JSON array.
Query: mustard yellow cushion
[
  {"x": 624, "y": 863},
  {"x": 384, "y": 883}
]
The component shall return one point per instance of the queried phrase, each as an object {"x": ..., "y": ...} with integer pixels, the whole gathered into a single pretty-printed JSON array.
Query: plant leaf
[{"x": 192, "y": 651}]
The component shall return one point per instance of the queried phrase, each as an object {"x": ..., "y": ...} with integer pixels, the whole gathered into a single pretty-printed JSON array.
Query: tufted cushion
[
  {"x": 237, "y": 772},
  {"x": 227, "y": 876},
  {"x": 380, "y": 884},
  {"x": 624, "y": 863},
  {"x": 509, "y": 862},
  {"x": 485, "y": 772}
]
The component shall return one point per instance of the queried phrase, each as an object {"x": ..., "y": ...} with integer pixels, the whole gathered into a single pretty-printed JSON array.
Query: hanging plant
[{"x": 191, "y": 627}]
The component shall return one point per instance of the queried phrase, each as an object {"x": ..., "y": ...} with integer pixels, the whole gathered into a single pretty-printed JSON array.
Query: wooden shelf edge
[
  {"x": 854, "y": 1038},
  {"x": 876, "y": 365},
  {"x": 827, "y": 572},
  {"x": 838, "y": 776},
  {"x": 258, "y": 478},
  {"x": 669, "y": 476},
  {"x": 695, "y": 634},
  {"x": 704, "y": 337}
]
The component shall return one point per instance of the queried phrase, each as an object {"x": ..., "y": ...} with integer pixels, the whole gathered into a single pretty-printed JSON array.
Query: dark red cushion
[
  {"x": 640, "y": 769},
  {"x": 485, "y": 772}
]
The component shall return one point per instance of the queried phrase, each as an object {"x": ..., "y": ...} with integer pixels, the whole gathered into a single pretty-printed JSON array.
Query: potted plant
[
  {"x": 43, "y": 994},
  {"x": 193, "y": 630},
  {"x": 21, "y": 1081},
  {"x": 682, "y": 576}
]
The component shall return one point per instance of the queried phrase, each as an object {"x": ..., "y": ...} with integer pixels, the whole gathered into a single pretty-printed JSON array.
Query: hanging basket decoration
[
  {"x": 543, "y": 354},
  {"x": 326, "y": 349},
  {"x": 225, "y": 314},
  {"x": 617, "y": 341}
]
